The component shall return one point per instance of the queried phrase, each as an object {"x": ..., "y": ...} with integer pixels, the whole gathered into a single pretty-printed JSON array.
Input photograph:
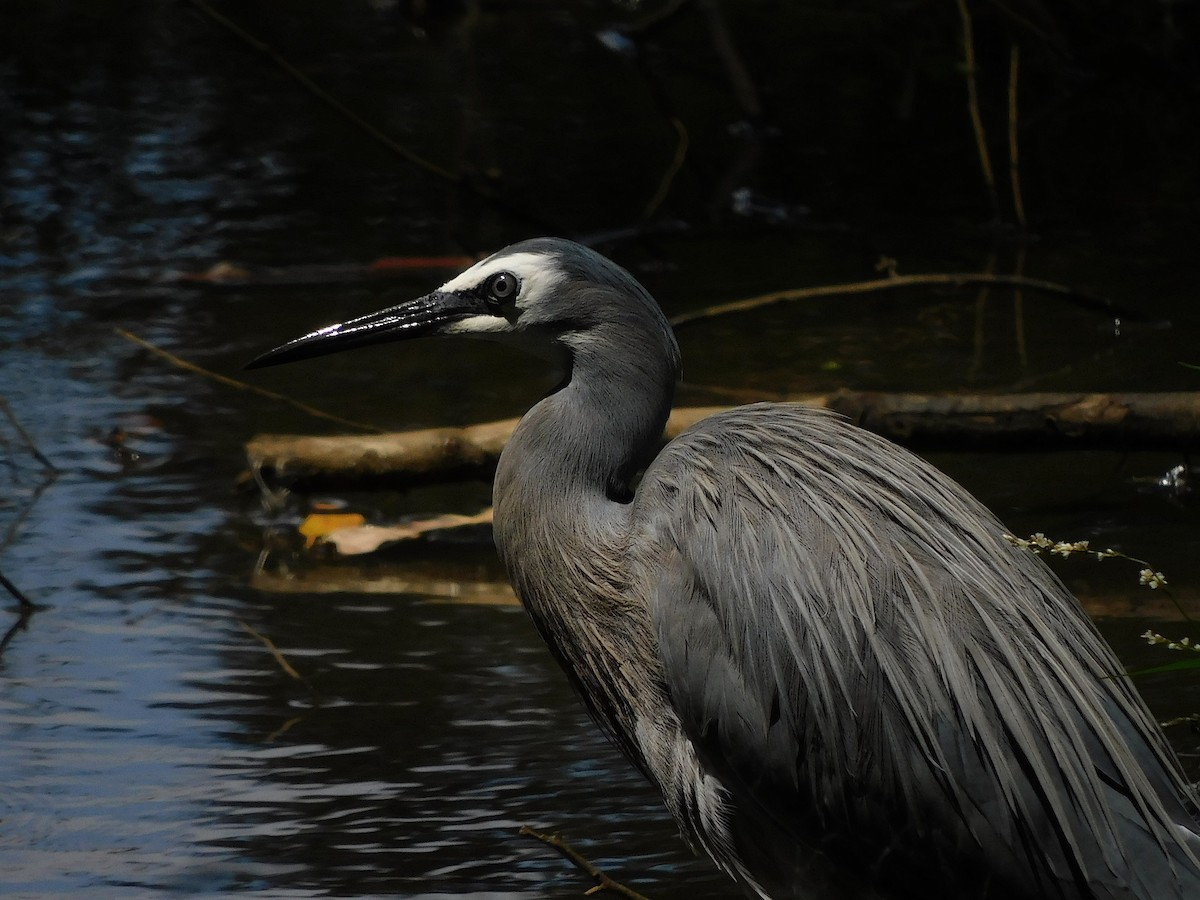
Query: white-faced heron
[{"x": 824, "y": 653}]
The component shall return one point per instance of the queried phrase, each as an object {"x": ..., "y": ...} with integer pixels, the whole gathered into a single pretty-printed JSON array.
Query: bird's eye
[{"x": 502, "y": 287}]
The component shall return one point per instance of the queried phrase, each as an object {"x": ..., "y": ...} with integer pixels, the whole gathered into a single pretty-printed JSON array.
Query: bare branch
[
  {"x": 241, "y": 385},
  {"x": 893, "y": 282}
]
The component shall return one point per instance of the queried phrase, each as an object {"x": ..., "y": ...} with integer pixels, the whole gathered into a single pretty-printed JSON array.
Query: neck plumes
[{"x": 562, "y": 513}]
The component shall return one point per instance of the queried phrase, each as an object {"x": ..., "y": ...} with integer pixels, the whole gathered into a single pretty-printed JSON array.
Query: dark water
[{"x": 149, "y": 743}]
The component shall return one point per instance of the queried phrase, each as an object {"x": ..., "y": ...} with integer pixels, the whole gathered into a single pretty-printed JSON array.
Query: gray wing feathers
[{"x": 835, "y": 617}]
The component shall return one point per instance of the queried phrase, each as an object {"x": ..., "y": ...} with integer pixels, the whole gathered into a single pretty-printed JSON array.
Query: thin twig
[
  {"x": 323, "y": 95},
  {"x": 241, "y": 385},
  {"x": 664, "y": 185},
  {"x": 275, "y": 652},
  {"x": 26, "y": 508},
  {"x": 1038, "y": 544},
  {"x": 25, "y": 436},
  {"x": 21, "y": 624},
  {"x": 1014, "y": 166},
  {"x": 50, "y": 474},
  {"x": 25, "y": 606},
  {"x": 603, "y": 882},
  {"x": 25, "y": 602},
  {"x": 955, "y": 279},
  {"x": 333, "y": 103},
  {"x": 1019, "y": 309},
  {"x": 26, "y": 609},
  {"x": 288, "y": 670},
  {"x": 284, "y": 728},
  {"x": 985, "y": 160}
]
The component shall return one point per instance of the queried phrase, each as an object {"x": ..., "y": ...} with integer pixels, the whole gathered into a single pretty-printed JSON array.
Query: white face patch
[
  {"x": 478, "y": 325},
  {"x": 536, "y": 271}
]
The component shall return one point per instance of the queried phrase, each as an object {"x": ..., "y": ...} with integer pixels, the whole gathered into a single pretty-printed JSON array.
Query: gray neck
[
  {"x": 562, "y": 516},
  {"x": 587, "y": 441}
]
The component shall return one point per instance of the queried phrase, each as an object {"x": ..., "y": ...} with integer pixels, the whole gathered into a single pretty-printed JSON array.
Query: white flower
[
  {"x": 1066, "y": 548},
  {"x": 1152, "y": 579}
]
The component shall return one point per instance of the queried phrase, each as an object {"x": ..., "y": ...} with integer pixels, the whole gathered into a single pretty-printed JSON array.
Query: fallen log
[
  {"x": 422, "y": 456},
  {"x": 429, "y": 454},
  {"x": 1034, "y": 421},
  {"x": 1028, "y": 422}
]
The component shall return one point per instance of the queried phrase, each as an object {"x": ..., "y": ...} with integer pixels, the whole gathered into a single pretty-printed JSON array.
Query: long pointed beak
[{"x": 423, "y": 316}]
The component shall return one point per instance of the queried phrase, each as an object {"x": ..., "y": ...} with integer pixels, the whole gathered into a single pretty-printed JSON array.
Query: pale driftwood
[
  {"x": 413, "y": 455},
  {"x": 355, "y": 540},
  {"x": 384, "y": 579},
  {"x": 1041, "y": 421}
]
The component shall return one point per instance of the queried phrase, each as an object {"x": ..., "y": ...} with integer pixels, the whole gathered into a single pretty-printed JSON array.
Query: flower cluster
[
  {"x": 1152, "y": 578},
  {"x": 1153, "y": 637},
  {"x": 1038, "y": 542}
]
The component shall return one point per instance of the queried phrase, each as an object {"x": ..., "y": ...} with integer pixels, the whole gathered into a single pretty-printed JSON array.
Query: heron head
[{"x": 552, "y": 296}]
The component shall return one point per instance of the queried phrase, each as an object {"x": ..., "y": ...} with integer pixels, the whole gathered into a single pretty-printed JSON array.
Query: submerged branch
[
  {"x": 19, "y": 625},
  {"x": 603, "y": 882},
  {"x": 284, "y": 666},
  {"x": 25, "y": 611},
  {"x": 24, "y": 602},
  {"x": 25, "y": 607},
  {"x": 275, "y": 652},
  {"x": 30, "y": 443}
]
